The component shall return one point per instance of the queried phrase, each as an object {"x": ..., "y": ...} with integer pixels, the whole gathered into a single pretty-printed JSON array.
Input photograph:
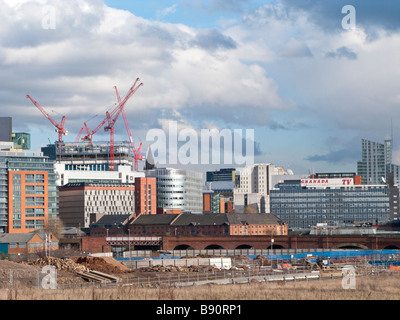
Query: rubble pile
[
  {"x": 64, "y": 264},
  {"x": 102, "y": 264},
  {"x": 262, "y": 260}
]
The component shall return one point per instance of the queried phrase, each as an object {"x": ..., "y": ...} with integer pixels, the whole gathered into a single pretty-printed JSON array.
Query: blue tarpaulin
[{"x": 332, "y": 254}]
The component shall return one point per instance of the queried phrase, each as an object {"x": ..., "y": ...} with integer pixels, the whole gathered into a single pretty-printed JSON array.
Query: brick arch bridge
[{"x": 282, "y": 242}]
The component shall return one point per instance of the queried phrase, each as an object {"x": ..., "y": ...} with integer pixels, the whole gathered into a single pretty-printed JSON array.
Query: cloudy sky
[{"x": 290, "y": 70}]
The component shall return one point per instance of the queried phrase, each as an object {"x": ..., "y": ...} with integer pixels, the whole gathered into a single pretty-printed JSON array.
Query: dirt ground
[{"x": 26, "y": 273}]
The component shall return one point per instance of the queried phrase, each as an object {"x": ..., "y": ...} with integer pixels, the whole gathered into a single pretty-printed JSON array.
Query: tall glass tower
[{"x": 376, "y": 162}]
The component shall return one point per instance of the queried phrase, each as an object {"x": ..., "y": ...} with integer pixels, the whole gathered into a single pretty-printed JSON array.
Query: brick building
[
  {"x": 207, "y": 224},
  {"x": 19, "y": 246},
  {"x": 109, "y": 224},
  {"x": 145, "y": 195}
]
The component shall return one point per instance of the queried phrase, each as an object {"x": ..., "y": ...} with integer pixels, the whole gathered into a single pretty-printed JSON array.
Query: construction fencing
[
  {"x": 27, "y": 278},
  {"x": 220, "y": 263}
]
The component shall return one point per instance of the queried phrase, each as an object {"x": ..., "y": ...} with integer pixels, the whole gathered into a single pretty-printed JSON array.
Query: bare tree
[{"x": 250, "y": 209}]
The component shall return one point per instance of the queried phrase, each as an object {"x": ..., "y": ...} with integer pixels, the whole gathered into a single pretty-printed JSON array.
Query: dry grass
[{"x": 383, "y": 287}]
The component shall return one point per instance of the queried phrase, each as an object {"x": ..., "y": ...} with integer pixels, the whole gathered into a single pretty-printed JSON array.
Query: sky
[{"x": 309, "y": 78}]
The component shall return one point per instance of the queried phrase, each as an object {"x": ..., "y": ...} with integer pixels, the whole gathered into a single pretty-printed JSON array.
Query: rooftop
[
  {"x": 200, "y": 219},
  {"x": 16, "y": 237},
  {"x": 112, "y": 219},
  {"x": 158, "y": 219}
]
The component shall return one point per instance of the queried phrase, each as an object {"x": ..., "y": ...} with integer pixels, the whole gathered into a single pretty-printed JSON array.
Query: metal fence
[
  {"x": 200, "y": 278},
  {"x": 28, "y": 278},
  {"x": 251, "y": 269},
  {"x": 37, "y": 279}
]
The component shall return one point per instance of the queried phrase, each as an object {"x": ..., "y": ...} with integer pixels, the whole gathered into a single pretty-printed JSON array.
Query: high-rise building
[
  {"x": 28, "y": 192},
  {"x": 253, "y": 187},
  {"x": 178, "y": 189},
  {"x": 145, "y": 195},
  {"x": 376, "y": 161}
]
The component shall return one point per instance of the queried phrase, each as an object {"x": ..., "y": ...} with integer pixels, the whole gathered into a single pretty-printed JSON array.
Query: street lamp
[
  {"x": 272, "y": 243},
  {"x": 129, "y": 244}
]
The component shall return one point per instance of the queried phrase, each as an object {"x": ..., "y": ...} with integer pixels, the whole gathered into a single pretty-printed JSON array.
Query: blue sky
[
  {"x": 197, "y": 14},
  {"x": 287, "y": 69}
]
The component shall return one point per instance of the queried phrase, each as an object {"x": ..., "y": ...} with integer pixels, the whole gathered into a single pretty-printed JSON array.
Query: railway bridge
[{"x": 377, "y": 242}]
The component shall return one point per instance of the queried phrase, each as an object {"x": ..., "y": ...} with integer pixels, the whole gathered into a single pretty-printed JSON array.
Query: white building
[
  {"x": 254, "y": 184},
  {"x": 123, "y": 174},
  {"x": 178, "y": 189}
]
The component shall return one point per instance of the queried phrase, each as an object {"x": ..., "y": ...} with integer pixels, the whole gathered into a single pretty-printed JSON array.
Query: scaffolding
[{"x": 81, "y": 156}]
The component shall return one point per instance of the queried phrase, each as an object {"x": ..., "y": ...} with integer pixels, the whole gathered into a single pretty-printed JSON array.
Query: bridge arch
[
  {"x": 351, "y": 245},
  {"x": 213, "y": 246},
  {"x": 183, "y": 247},
  {"x": 244, "y": 246},
  {"x": 391, "y": 246},
  {"x": 276, "y": 246}
]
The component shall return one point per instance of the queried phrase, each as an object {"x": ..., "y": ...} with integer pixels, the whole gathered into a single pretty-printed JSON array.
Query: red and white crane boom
[{"x": 59, "y": 127}]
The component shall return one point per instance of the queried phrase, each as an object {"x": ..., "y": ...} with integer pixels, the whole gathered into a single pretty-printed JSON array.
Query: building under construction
[
  {"x": 90, "y": 163},
  {"x": 90, "y": 157}
]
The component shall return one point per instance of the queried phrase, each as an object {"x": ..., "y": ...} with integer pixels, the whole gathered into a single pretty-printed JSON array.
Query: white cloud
[
  {"x": 73, "y": 68},
  {"x": 167, "y": 11},
  {"x": 255, "y": 72}
]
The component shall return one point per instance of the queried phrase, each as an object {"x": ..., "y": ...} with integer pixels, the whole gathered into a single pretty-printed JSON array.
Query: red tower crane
[
  {"x": 59, "y": 127},
  {"x": 136, "y": 153},
  {"x": 79, "y": 135},
  {"x": 112, "y": 118},
  {"x": 109, "y": 116}
]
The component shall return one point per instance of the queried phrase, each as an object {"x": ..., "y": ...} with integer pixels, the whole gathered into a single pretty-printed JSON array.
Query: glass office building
[
  {"x": 304, "y": 207},
  {"x": 178, "y": 189},
  {"x": 28, "y": 192}
]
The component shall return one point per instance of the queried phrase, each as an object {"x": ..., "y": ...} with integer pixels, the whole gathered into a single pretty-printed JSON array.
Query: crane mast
[
  {"x": 117, "y": 112},
  {"x": 59, "y": 127},
  {"x": 136, "y": 152}
]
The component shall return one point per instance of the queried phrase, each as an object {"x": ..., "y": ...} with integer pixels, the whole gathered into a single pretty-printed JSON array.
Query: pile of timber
[{"x": 96, "y": 276}]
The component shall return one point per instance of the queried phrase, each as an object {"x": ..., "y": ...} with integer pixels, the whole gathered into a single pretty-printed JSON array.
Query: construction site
[
  {"x": 96, "y": 156},
  {"x": 195, "y": 271}
]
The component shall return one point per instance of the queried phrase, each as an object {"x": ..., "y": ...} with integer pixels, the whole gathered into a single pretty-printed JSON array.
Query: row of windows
[
  {"x": 109, "y": 192},
  {"x": 108, "y": 198},
  {"x": 29, "y": 224}
]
